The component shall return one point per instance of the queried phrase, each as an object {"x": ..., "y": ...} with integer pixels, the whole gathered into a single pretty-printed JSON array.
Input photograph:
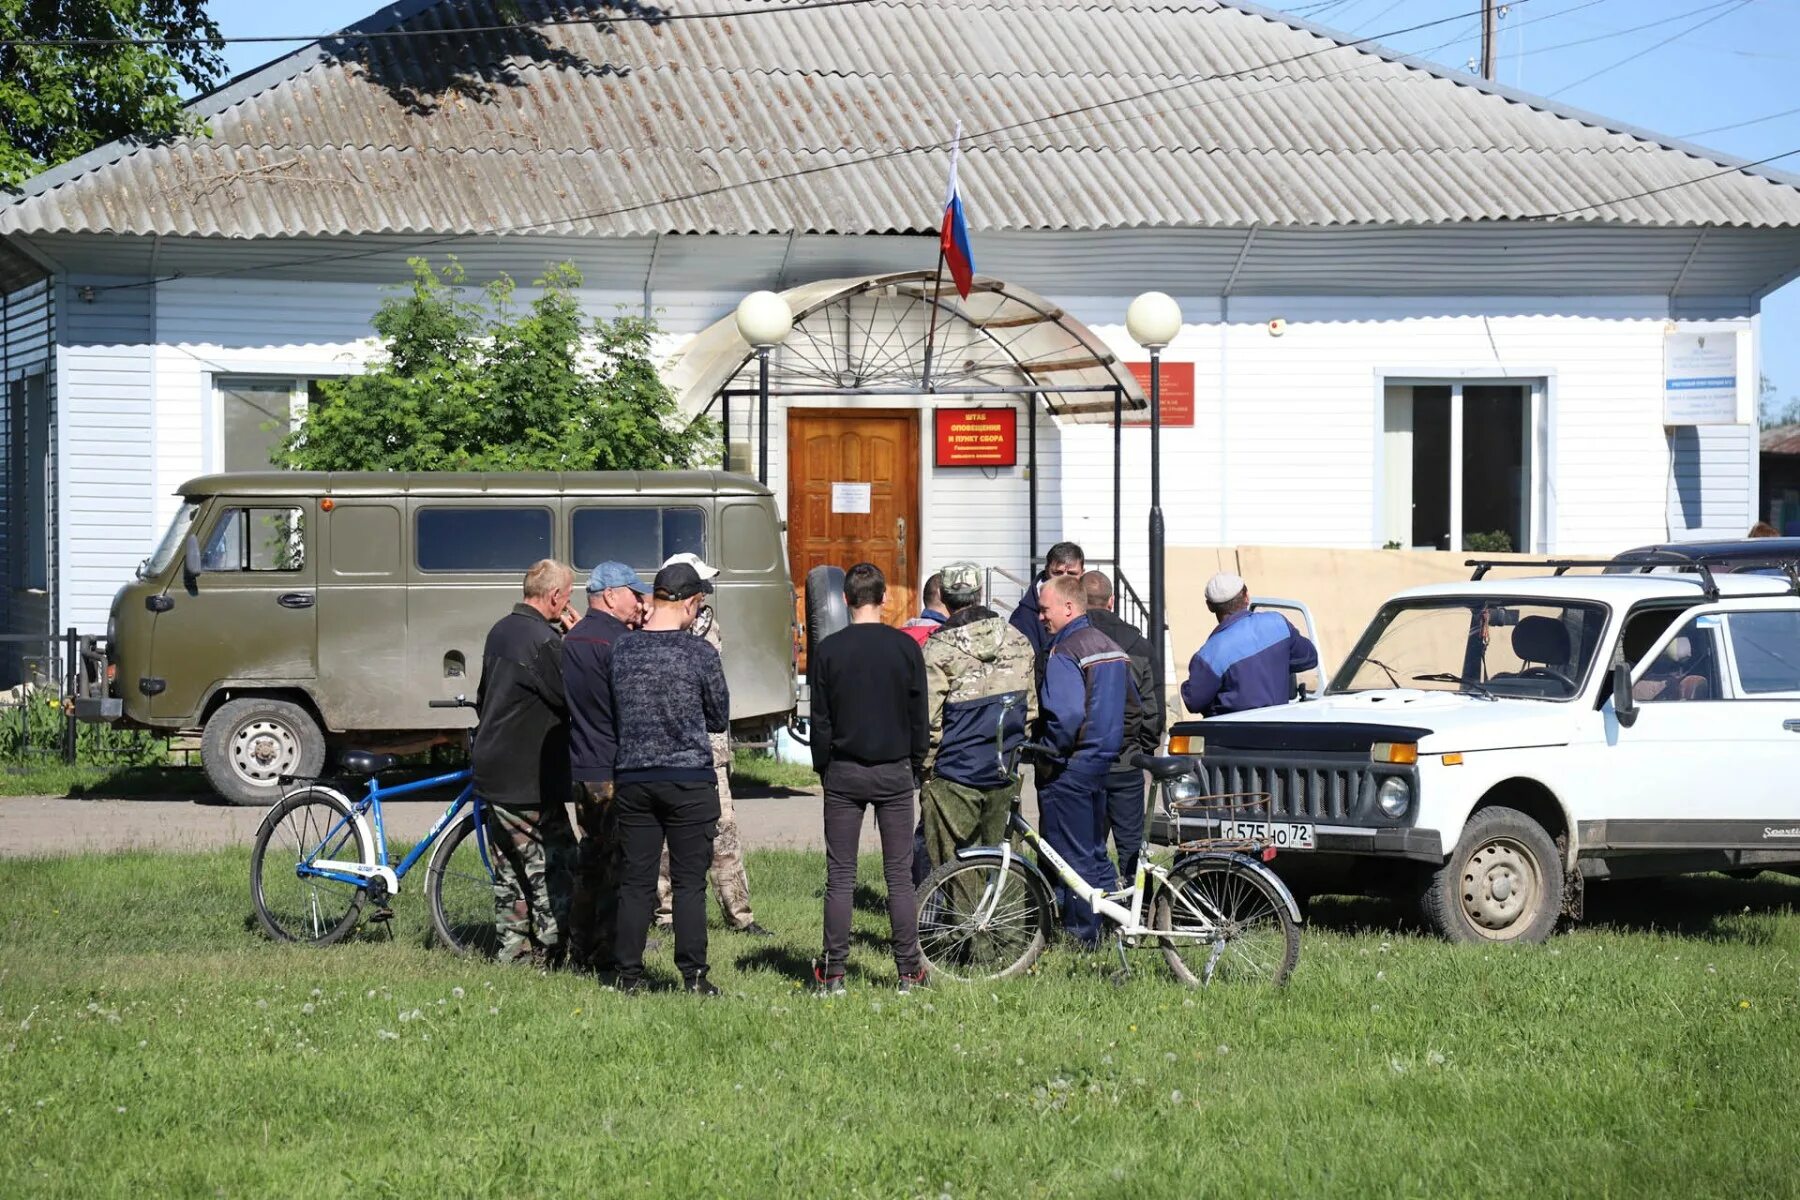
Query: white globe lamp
[
  {"x": 1153, "y": 320},
  {"x": 764, "y": 319}
]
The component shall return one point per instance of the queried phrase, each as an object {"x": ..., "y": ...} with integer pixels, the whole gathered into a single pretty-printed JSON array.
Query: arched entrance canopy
[{"x": 907, "y": 334}]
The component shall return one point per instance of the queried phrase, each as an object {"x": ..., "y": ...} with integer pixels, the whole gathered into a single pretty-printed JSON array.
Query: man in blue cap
[{"x": 615, "y": 604}]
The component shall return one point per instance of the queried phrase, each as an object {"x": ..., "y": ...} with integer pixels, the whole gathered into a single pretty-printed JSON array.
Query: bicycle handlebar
[{"x": 459, "y": 702}]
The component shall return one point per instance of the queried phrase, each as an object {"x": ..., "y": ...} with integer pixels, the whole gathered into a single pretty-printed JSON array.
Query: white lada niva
[{"x": 1489, "y": 746}]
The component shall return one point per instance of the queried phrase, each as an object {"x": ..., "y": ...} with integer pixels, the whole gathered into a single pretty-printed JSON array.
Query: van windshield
[
  {"x": 1489, "y": 648},
  {"x": 170, "y": 546}
]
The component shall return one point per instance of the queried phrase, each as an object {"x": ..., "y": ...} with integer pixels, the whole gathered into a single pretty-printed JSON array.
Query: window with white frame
[
  {"x": 256, "y": 412},
  {"x": 1461, "y": 462}
]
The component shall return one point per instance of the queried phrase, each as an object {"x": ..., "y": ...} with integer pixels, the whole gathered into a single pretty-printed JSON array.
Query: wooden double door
[{"x": 853, "y": 496}]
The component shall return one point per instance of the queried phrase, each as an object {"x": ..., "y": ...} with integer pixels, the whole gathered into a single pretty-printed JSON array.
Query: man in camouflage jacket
[{"x": 980, "y": 696}]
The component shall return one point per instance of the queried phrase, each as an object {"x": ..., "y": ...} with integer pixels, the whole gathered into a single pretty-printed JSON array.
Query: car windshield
[
  {"x": 170, "y": 546},
  {"x": 1478, "y": 646}
]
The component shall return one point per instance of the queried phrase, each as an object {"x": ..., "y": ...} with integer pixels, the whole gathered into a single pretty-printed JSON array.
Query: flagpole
[{"x": 937, "y": 283}]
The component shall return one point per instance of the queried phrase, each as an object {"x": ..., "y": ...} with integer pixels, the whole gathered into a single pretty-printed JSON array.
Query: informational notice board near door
[
  {"x": 977, "y": 437},
  {"x": 1177, "y": 394},
  {"x": 1700, "y": 384}
]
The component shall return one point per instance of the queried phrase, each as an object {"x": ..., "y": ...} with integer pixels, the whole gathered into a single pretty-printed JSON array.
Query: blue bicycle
[{"x": 319, "y": 857}]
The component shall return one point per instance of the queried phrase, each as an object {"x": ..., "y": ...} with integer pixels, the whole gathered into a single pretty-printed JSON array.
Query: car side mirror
[
  {"x": 1624, "y": 706},
  {"x": 190, "y": 560}
]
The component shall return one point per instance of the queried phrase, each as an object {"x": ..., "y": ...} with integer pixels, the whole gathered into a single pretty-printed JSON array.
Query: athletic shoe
[
  {"x": 700, "y": 985},
  {"x": 755, "y": 930},
  {"x": 827, "y": 986},
  {"x": 910, "y": 982}
]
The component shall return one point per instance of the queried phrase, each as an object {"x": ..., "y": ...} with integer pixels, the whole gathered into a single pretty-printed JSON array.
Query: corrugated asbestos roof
[{"x": 830, "y": 121}]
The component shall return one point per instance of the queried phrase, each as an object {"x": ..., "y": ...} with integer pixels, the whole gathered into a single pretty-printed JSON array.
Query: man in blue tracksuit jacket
[
  {"x": 1065, "y": 558},
  {"x": 1081, "y": 693},
  {"x": 1249, "y": 660}
]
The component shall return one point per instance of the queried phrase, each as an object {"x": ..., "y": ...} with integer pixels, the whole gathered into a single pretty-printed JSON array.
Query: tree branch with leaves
[{"x": 478, "y": 383}]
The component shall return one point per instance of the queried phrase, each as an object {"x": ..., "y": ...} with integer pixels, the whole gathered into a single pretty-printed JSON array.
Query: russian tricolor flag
[{"x": 954, "y": 236}]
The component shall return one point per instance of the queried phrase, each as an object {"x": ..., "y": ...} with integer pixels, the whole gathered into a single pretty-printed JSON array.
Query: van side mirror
[
  {"x": 1624, "y": 706},
  {"x": 190, "y": 560}
]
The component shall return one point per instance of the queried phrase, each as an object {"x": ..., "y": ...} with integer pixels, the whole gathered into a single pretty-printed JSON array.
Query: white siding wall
[
  {"x": 1299, "y": 413},
  {"x": 105, "y": 433}
]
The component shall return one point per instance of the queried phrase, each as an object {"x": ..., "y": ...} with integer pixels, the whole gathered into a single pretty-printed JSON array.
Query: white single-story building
[{"x": 1419, "y": 309}]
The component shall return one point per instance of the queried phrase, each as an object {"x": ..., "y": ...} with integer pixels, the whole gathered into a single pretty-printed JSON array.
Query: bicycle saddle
[
  {"x": 363, "y": 762},
  {"x": 1163, "y": 768}
]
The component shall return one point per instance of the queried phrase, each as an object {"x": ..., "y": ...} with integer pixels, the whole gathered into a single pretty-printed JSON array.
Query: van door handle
[
  {"x": 295, "y": 600},
  {"x": 1791, "y": 726}
]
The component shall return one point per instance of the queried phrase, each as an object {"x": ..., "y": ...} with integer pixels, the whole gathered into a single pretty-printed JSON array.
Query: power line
[
  {"x": 1786, "y": 112},
  {"x": 635, "y": 15},
  {"x": 1581, "y": 208},
  {"x": 1676, "y": 36}
]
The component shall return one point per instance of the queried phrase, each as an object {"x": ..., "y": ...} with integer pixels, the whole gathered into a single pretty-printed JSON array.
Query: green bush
[
  {"x": 1496, "y": 541},
  {"x": 31, "y": 732}
]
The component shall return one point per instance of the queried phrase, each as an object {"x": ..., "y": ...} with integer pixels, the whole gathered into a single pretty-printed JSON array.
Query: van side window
[
  {"x": 747, "y": 538},
  {"x": 1767, "y": 648},
  {"x": 638, "y": 537},
  {"x": 256, "y": 539},
  {"x": 481, "y": 539}
]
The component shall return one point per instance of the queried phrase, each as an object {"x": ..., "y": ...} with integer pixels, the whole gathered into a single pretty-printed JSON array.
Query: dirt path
[
  {"x": 42, "y": 825},
  {"x": 39, "y": 825}
]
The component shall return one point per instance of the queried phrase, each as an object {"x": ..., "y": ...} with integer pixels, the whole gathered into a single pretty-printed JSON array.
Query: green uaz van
[{"x": 286, "y": 614}]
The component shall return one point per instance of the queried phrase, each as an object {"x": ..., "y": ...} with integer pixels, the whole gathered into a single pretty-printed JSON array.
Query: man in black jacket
[
  {"x": 615, "y": 597},
  {"x": 1144, "y": 718},
  {"x": 521, "y": 764},
  {"x": 1065, "y": 558}
]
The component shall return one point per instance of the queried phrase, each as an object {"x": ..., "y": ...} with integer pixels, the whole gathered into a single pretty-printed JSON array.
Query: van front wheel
[{"x": 250, "y": 744}]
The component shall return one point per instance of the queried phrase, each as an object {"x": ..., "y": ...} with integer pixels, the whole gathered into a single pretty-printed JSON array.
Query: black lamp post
[
  {"x": 764, "y": 320},
  {"x": 1153, "y": 320}
]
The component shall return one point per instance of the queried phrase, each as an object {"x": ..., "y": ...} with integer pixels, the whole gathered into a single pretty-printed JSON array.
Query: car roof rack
[{"x": 1645, "y": 562}]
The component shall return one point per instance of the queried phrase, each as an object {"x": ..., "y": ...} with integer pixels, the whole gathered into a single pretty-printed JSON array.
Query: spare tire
[{"x": 826, "y": 612}]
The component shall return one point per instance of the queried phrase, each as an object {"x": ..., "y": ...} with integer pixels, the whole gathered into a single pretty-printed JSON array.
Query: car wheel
[
  {"x": 1503, "y": 883},
  {"x": 249, "y": 745}
]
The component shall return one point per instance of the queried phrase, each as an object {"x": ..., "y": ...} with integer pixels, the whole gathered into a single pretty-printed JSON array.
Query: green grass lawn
[
  {"x": 152, "y": 1044},
  {"x": 54, "y": 778}
]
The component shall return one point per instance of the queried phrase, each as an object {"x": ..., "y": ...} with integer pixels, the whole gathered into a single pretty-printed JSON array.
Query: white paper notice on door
[{"x": 849, "y": 497}]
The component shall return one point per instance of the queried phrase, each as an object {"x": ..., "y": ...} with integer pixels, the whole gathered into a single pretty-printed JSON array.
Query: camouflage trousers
[
  {"x": 728, "y": 878},
  {"x": 956, "y": 817},
  {"x": 594, "y": 914},
  {"x": 534, "y": 866}
]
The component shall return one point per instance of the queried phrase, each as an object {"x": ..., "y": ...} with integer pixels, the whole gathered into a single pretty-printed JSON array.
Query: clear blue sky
[{"x": 1725, "y": 62}]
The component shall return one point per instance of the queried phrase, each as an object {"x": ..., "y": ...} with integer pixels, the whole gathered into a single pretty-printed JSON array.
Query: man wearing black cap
[{"x": 668, "y": 694}]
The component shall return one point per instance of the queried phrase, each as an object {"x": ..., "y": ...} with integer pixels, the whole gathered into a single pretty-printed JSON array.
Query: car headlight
[
  {"x": 1185, "y": 789},
  {"x": 1394, "y": 796}
]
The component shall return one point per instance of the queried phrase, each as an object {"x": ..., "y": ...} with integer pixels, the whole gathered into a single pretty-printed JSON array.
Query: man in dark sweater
[
  {"x": 614, "y": 605},
  {"x": 1143, "y": 725},
  {"x": 521, "y": 764},
  {"x": 668, "y": 694},
  {"x": 1065, "y": 558},
  {"x": 870, "y": 734}
]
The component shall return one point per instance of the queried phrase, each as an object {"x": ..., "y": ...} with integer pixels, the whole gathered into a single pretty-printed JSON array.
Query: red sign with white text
[
  {"x": 1177, "y": 393},
  {"x": 977, "y": 437}
]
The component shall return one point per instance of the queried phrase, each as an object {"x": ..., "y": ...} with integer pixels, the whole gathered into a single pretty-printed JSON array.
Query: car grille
[{"x": 1312, "y": 792}]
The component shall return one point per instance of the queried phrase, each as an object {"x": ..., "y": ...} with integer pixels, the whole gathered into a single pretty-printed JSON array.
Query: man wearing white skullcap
[{"x": 1249, "y": 660}]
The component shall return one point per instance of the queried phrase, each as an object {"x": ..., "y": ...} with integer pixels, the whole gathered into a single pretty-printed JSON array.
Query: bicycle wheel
[
  {"x": 977, "y": 922},
  {"x": 309, "y": 825},
  {"x": 459, "y": 887},
  {"x": 1250, "y": 934}
]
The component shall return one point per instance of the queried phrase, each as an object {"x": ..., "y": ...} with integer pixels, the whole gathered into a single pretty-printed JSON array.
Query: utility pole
[{"x": 1487, "y": 39}]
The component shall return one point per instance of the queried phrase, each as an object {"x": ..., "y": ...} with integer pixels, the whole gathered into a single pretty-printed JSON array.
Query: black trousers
[
  {"x": 686, "y": 816},
  {"x": 1125, "y": 813},
  {"x": 887, "y": 788}
]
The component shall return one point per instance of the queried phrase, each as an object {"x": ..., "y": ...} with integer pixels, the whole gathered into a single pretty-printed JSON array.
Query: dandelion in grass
[
  {"x": 119, "y": 1109},
  {"x": 1168, "y": 1056},
  {"x": 1224, "y": 1049},
  {"x": 387, "y": 1035},
  {"x": 307, "y": 1008},
  {"x": 1743, "y": 1004},
  {"x": 456, "y": 993},
  {"x": 1398, "y": 1067},
  {"x": 1175, "y": 1096},
  {"x": 1435, "y": 1059}
]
